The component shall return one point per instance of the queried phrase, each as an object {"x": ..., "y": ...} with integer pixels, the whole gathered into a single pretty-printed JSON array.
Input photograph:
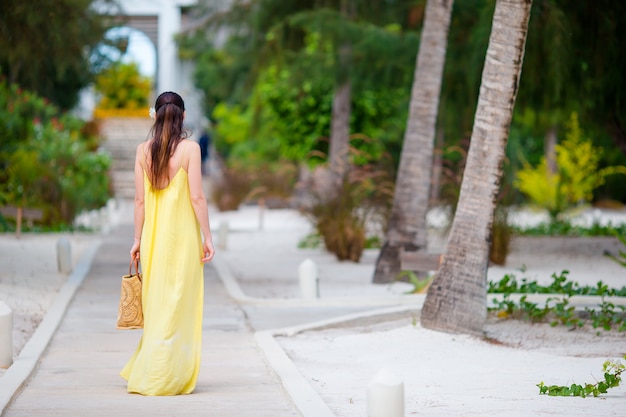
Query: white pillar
[
  {"x": 309, "y": 281},
  {"x": 168, "y": 68},
  {"x": 64, "y": 255},
  {"x": 6, "y": 335},
  {"x": 222, "y": 235},
  {"x": 385, "y": 395}
]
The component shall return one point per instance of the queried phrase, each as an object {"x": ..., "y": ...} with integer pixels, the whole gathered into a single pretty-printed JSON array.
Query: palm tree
[
  {"x": 456, "y": 300},
  {"x": 340, "y": 121},
  {"x": 407, "y": 224}
]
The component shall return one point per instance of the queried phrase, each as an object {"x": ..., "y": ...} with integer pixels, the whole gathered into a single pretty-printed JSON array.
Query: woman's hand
[
  {"x": 134, "y": 251},
  {"x": 207, "y": 251}
]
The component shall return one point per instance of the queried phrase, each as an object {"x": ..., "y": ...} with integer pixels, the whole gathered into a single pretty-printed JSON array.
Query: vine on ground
[{"x": 612, "y": 371}]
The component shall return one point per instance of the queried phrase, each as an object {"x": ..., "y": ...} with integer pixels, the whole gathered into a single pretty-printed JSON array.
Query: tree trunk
[
  {"x": 18, "y": 222},
  {"x": 340, "y": 133},
  {"x": 456, "y": 300},
  {"x": 407, "y": 224},
  {"x": 338, "y": 154}
]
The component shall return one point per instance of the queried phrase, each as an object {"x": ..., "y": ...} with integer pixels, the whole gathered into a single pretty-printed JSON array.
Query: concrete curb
[
  {"x": 235, "y": 291},
  {"x": 305, "y": 399},
  {"x": 303, "y": 395},
  {"x": 22, "y": 369}
]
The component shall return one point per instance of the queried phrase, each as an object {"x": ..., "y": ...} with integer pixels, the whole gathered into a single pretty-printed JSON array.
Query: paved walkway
[
  {"x": 78, "y": 373},
  {"x": 74, "y": 358}
]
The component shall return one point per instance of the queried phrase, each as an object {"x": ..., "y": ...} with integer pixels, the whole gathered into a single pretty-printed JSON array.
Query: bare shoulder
[
  {"x": 192, "y": 145},
  {"x": 139, "y": 149},
  {"x": 142, "y": 147},
  {"x": 191, "y": 150}
]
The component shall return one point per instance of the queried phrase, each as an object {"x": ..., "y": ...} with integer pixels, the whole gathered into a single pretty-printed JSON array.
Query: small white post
[
  {"x": 309, "y": 281},
  {"x": 6, "y": 335},
  {"x": 261, "y": 212},
  {"x": 222, "y": 235},
  {"x": 104, "y": 220},
  {"x": 64, "y": 255},
  {"x": 385, "y": 395}
]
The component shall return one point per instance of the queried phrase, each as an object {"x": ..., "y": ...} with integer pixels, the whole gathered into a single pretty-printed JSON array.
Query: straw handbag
[{"x": 130, "y": 312}]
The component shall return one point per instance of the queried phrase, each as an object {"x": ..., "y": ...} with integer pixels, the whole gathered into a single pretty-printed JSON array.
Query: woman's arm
[
  {"x": 198, "y": 200},
  {"x": 139, "y": 212}
]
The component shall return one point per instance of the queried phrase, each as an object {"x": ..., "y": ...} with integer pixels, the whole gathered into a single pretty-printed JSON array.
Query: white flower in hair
[{"x": 152, "y": 112}]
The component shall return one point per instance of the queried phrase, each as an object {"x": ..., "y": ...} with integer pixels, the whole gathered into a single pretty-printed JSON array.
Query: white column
[
  {"x": 6, "y": 335},
  {"x": 64, "y": 255},
  {"x": 168, "y": 68},
  {"x": 385, "y": 395},
  {"x": 309, "y": 280}
]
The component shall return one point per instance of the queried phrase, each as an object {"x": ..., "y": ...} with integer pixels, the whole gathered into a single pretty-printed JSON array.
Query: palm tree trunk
[
  {"x": 407, "y": 224},
  {"x": 456, "y": 300},
  {"x": 338, "y": 153},
  {"x": 340, "y": 133}
]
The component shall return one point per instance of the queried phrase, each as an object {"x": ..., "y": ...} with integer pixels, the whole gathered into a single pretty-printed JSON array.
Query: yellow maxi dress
[{"x": 167, "y": 360}]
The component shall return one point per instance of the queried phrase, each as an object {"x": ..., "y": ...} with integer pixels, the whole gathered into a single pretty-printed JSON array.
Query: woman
[{"x": 170, "y": 215}]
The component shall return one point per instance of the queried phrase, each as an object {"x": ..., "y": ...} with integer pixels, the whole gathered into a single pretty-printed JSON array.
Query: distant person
[
  {"x": 204, "y": 142},
  {"x": 171, "y": 219}
]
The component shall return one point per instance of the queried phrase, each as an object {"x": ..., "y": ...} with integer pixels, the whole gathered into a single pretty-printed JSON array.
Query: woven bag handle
[{"x": 134, "y": 262}]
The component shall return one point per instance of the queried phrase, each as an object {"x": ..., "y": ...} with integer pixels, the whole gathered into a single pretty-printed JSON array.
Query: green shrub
[
  {"x": 557, "y": 310},
  {"x": 342, "y": 219},
  {"x": 48, "y": 161},
  {"x": 578, "y": 174},
  {"x": 565, "y": 228},
  {"x": 123, "y": 87},
  {"x": 240, "y": 182}
]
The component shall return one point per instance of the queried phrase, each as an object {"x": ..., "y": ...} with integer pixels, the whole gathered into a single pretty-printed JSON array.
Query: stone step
[
  {"x": 121, "y": 137},
  {"x": 123, "y": 183}
]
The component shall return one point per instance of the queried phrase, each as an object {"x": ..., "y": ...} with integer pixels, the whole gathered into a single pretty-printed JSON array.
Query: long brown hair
[{"x": 167, "y": 132}]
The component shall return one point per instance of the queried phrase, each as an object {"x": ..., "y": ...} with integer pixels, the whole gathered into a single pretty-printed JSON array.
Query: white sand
[
  {"x": 458, "y": 375},
  {"x": 443, "y": 374}
]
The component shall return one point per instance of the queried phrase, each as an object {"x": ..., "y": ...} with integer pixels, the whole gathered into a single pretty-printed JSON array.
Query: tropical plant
[
  {"x": 565, "y": 228},
  {"x": 230, "y": 190},
  {"x": 287, "y": 55},
  {"x": 557, "y": 309},
  {"x": 577, "y": 173},
  {"x": 343, "y": 220},
  {"x": 122, "y": 86},
  {"x": 48, "y": 159},
  {"x": 269, "y": 184},
  {"x": 50, "y": 47}
]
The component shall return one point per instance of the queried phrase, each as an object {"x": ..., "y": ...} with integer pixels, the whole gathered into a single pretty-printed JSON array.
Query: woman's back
[{"x": 179, "y": 160}]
